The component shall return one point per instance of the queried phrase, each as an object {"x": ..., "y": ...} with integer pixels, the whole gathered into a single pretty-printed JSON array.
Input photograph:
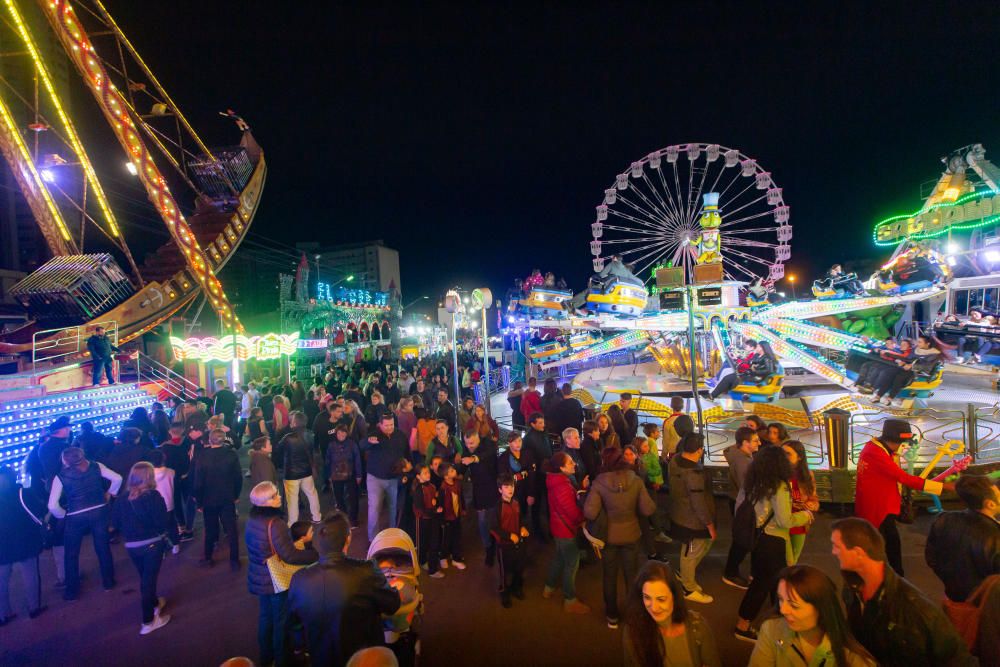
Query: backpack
[
  {"x": 966, "y": 616},
  {"x": 746, "y": 533}
]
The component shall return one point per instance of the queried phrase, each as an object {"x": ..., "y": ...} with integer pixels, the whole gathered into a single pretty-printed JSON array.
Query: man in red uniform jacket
[{"x": 877, "y": 496}]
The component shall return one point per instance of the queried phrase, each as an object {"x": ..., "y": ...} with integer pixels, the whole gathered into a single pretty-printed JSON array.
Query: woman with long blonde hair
[{"x": 141, "y": 517}]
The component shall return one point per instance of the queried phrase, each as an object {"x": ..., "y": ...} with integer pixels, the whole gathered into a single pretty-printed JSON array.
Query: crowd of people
[{"x": 605, "y": 488}]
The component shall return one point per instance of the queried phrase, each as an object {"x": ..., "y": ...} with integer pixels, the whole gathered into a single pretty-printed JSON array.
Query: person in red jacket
[
  {"x": 565, "y": 520},
  {"x": 531, "y": 400},
  {"x": 877, "y": 494}
]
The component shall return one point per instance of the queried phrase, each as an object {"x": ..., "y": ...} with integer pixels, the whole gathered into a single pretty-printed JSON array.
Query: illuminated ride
[
  {"x": 539, "y": 350},
  {"x": 691, "y": 204},
  {"x": 545, "y": 302},
  {"x": 616, "y": 295},
  {"x": 843, "y": 287},
  {"x": 917, "y": 268},
  {"x": 204, "y": 198}
]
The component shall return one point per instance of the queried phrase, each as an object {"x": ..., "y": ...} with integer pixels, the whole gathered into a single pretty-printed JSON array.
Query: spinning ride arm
[
  {"x": 78, "y": 46},
  {"x": 785, "y": 348}
]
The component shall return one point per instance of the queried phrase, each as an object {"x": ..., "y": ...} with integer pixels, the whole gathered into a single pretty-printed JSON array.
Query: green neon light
[
  {"x": 928, "y": 235},
  {"x": 957, "y": 202}
]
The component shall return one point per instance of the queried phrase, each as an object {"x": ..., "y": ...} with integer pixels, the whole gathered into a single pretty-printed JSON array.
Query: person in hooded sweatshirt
[
  {"x": 340, "y": 601},
  {"x": 42, "y": 465},
  {"x": 623, "y": 497}
]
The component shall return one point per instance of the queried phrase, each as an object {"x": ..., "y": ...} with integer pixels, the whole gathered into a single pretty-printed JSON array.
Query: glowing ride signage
[{"x": 268, "y": 346}]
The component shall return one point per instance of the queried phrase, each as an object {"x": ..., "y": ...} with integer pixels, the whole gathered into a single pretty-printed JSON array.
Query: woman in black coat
[
  {"x": 140, "y": 514},
  {"x": 21, "y": 516},
  {"x": 267, "y": 533}
]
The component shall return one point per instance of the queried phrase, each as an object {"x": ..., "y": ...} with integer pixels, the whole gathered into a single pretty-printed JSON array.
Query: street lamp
[{"x": 791, "y": 281}]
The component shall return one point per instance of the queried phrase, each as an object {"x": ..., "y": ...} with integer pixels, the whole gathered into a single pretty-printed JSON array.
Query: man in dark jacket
[
  {"x": 218, "y": 480},
  {"x": 445, "y": 410},
  {"x": 95, "y": 445},
  {"x": 481, "y": 463},
  {"x": 385, "y": 451},
  {"x": 324, "y": 429},
  {"x": 340, "y": 601},
  {"x": 624, "y": 419},
  {"x": 963, "y": 548},
  {"x": 45, "y": 459},
  {"x": 21, "y": 516},
  {"x": 100, "y": 348},
  {"x": 887, "y": 614},
  {"x": 564, "y": 414},
  {"x": 296, "y": 456},
  {"x": 224, "y": 403},
  {"x": 538, "y": 442},
  {"x": 267, "y": 534}
]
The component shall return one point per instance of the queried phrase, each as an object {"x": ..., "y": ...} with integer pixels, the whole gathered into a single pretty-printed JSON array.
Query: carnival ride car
[
  {"x": 841, "y": 287},
  {"x": 617, "y": 296},
  {"x": 545, "y": 302},
  {"x": 544, "y": 350},
  {"x": 915, "y": 269},
  {"x": 583, "y": 339}
]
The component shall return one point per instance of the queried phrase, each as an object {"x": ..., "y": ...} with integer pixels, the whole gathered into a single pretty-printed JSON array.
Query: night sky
[{"x": 478, "y": 140}]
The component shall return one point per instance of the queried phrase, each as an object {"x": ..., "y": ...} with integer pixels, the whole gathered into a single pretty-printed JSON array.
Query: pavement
[{"x": 215, "y": 618}]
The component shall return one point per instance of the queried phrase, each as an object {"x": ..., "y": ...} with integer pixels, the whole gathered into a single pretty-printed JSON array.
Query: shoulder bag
[{"x": 281, "y": 572}]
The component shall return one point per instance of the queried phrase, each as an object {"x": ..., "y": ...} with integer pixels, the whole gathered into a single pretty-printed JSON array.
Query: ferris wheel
[{"x": 651, "y": 215}]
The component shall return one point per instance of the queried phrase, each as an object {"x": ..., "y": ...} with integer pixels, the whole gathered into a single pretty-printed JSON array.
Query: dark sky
[{"x": 477, "y": 140}]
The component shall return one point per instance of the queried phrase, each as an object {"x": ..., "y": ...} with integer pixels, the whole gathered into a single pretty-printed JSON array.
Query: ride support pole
[{"x": 694, "y": 360}]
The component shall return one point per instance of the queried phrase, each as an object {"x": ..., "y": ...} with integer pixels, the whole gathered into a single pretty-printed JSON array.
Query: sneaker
[
  {"x": 663, "y": 537},
  {"x": 160, "y": 604},
  {"x": 187, "y": 536},
  {"x": 699, "y": 596},
  {"x": 865, "y": 389},
  {"x": 613, "y": 623},
  {"x": 158, "y": 622},
  {"x": 176, "y": 549},
  {"x": 736, "y": 581},
  {"x": 444, "y": 563},
  {"x": 459, "y": 565},
  {"x": 748, "y": 635},
  {"x": 886, "y": 401},
  {"x": 575, "y": 607},
  {"x": 438, "y": 575}
]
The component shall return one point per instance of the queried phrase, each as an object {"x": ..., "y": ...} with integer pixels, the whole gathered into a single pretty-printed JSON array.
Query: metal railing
[
  {"x": 170, "y": 381},
  {"x": 66, "y": 342}
]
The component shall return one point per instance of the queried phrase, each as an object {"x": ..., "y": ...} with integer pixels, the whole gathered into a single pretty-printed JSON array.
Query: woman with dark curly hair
[
  {"x": 776, "y": 434},
  {"x": 810, "y": 626},
  {"x": 767, "y": 488},
  {"x": 659, "y": 629}
]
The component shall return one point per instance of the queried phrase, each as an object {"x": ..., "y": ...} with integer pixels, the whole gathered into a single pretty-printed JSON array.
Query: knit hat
[
  {"x": 60, "y": 422},
  {"x": 896, "y": 430}
]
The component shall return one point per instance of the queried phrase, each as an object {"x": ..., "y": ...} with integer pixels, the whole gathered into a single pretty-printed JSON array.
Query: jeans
[
  {"x": 378, "y": 490},
  {"x": 565, "y": 562},
  {"x": 893, "y": 546},
  {"x": 736, "y": 552},
  {"x": 94, "y": 522},
  {"x": 271, "y": 628},
  {"x": 226, "y": 514},
  {"x": 147, "y": 561},
  {"x": 32, "y": 585},
  {"x": 692, "y": 554},
  {"x": 624, "y": 557},
  {"x": 429, "y": 543},
  {"x": 766, "y": 561},
  {"x": 346, "y": 494},
  {"x": 451, "y": 540},
  {"x": 103, "y": 365},
  {"x": 308, "y": 487}
]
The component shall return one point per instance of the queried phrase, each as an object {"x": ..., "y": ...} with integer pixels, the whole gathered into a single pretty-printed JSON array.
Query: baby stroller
[{"x": 394, "y": 553}]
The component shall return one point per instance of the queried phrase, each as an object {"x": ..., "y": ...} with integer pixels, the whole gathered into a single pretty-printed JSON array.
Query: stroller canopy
[{"x": 394, "y": 540}]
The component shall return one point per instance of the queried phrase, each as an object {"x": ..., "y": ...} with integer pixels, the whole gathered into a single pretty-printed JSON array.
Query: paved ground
[{"x": 215, "y": 618}]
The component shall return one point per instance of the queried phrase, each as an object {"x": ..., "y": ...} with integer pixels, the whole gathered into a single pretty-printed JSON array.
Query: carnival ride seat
[
  {"x": 616, "y": 295},
  {"x": 765, "y": 391},
  {"x": 544, "y": 350},
  {"x": 546, "y": 302},
  {"x": 583, "y": 339},
  {"x": 845, "y": 286},
  {"x": 755, "y": 302},
  {"x": 923, "y": 386}
]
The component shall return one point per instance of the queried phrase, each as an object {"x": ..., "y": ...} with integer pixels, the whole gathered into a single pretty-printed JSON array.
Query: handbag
[
  {"x": 965, "y": 616},
  {"x": 905, "y": 515},
  {"x": 746, "y": 532},
  {"x": 280, "y": 571}
]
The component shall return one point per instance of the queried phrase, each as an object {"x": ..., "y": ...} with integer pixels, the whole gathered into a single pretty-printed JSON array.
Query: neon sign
[
  {"x": 360, "y": 298},
  {"x": 268, "y": 346}
]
